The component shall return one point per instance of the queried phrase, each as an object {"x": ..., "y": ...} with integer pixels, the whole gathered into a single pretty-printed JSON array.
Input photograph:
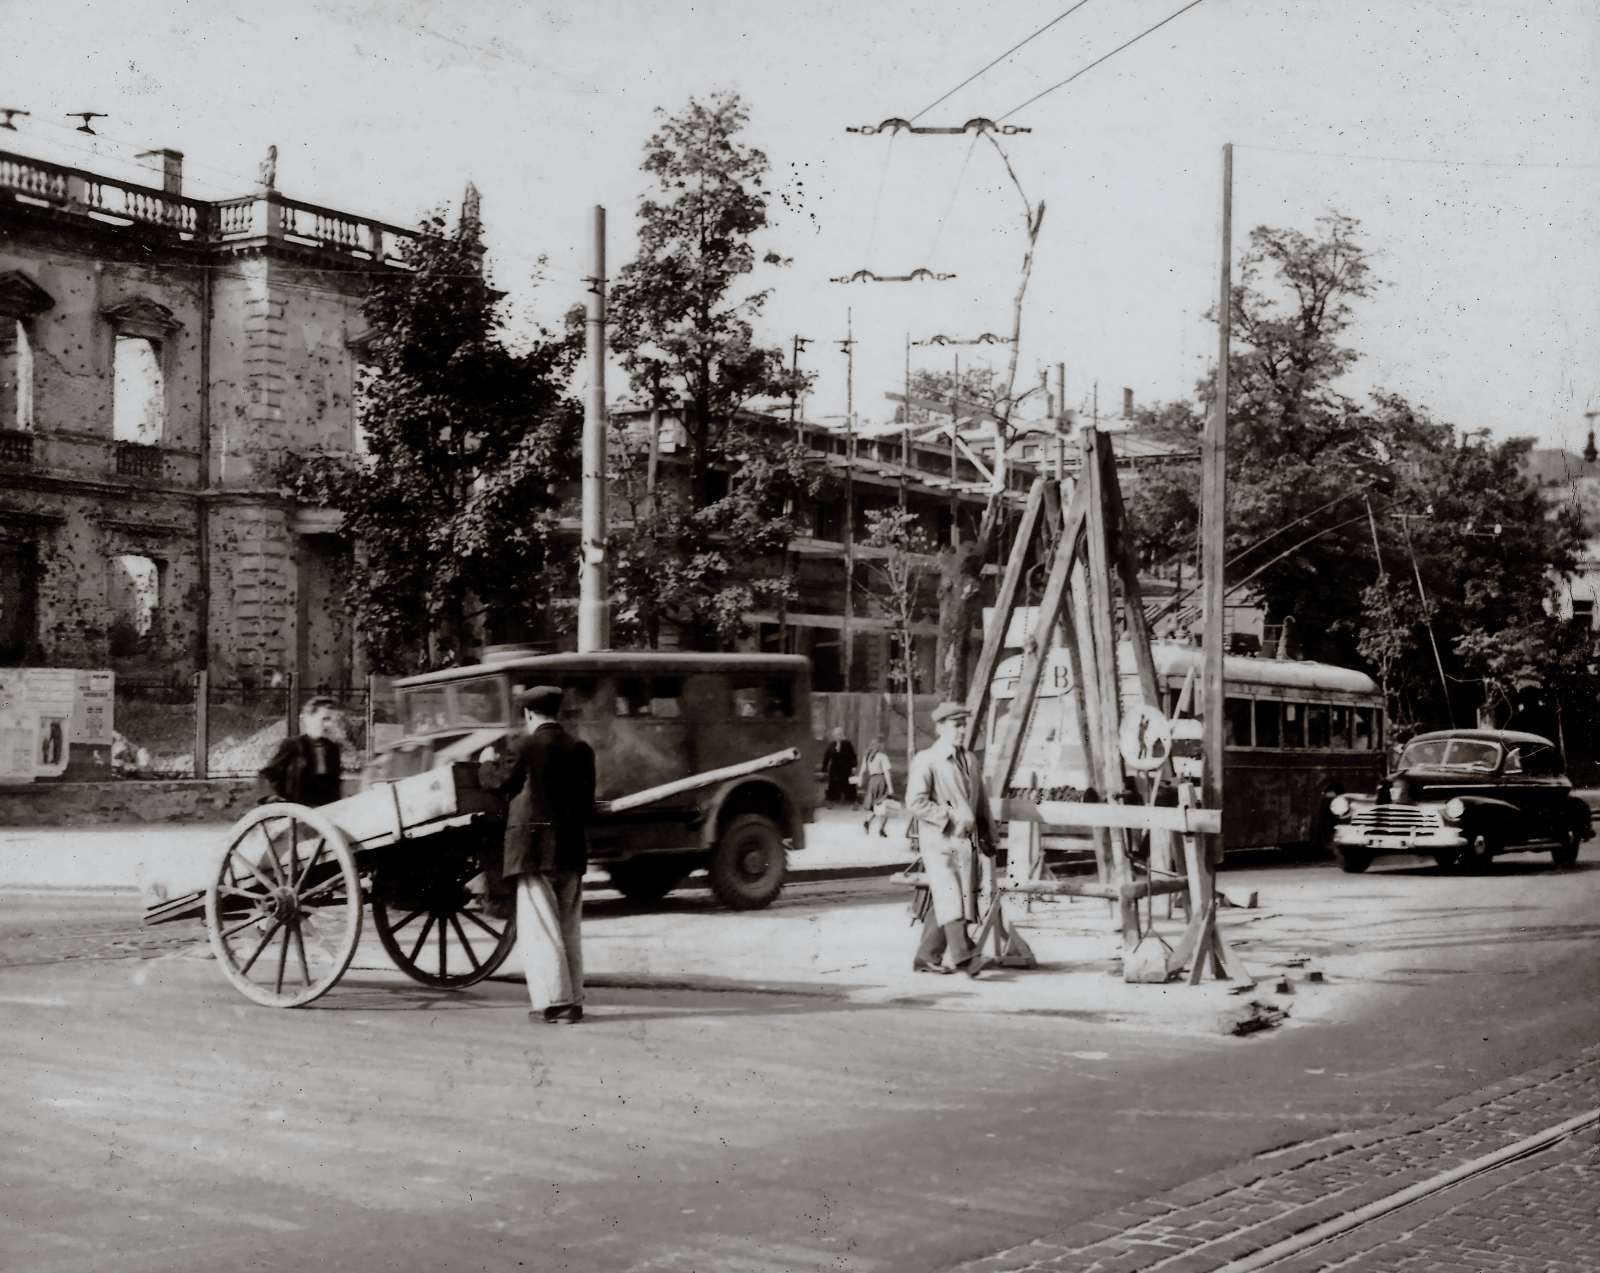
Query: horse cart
[{"x": 284, "y": 906}]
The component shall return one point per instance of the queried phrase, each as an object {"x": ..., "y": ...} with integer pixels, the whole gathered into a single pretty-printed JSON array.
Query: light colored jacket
[{"x": 939, "y": 797}]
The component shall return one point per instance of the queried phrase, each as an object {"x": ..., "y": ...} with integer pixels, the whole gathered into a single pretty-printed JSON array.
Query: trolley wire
[
  {"x": 999, "y": 59},
  {"x": 1107, "y": 57},
  {"x": 938, "y": 230}
]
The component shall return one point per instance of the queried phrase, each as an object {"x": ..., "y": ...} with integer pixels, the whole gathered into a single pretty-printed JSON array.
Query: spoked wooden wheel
[
  {"x": 436, "y": 929},
  {"x": 284, "y": 909}
]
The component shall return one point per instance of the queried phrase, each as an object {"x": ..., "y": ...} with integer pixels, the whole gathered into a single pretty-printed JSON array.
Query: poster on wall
[{"x": 55, "y": 723}]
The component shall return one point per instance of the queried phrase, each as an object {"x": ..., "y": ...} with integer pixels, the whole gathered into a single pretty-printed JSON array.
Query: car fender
[
  {"x": 1582, "y": 817},
  {"x": 751, "y": 794}
]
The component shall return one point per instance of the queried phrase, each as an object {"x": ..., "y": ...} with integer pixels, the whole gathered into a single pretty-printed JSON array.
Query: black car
[{"x": 1463, "y": 796}]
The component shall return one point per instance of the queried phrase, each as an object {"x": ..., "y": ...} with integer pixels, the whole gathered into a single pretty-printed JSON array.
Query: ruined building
[{"x": 158, "y": 355}]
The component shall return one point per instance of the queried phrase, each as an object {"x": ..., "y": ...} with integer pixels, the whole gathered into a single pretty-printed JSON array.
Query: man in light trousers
[
  {"x": 549, "y": 777},
  {"x": 946, "y": 795}
]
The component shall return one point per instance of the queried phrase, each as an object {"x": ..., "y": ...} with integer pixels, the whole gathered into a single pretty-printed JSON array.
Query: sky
[{"x": 1461, "y": 133}]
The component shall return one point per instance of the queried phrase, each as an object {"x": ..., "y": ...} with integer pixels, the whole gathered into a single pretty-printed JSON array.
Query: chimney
[
  {"x": 1127, "y": 404},
  {"x": 170, "y": 163}
]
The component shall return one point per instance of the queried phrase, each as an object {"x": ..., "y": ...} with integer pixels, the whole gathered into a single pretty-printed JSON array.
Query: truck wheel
[
  {"x": 1480, "y": 853},
  {"x": 1351, "y": 860},
  {"x": 1566, "y": 857},
  {"x": 647, "y": 879},
  {"x": 748, "y": 865}
]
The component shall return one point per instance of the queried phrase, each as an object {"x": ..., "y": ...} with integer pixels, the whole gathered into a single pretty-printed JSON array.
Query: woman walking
[{"x": 879, "y": 787}]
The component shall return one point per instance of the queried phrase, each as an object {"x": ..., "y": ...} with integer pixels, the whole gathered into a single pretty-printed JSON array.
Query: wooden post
[
  {"x": 1213, "y": 548},
  {"x": 202, "y": 724},
  {"x": 1004, "y": 603}
]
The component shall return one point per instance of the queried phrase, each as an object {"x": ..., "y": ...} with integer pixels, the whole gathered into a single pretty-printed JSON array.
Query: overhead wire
[
  {"x": 1107, "y": 57},
  {"x": 1403, "y": 159},
  {"x": 877, "y": 202},
  {"x": 999, "y": 60},
  {"x": 955, "y": 190}
]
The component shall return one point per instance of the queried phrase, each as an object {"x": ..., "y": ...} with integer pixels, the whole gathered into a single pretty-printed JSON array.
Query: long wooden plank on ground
[{"x": 1005, "y": 601}]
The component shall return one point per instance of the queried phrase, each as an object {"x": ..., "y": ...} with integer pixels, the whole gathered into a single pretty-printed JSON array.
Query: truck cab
[{"x": 652, "y": 718}]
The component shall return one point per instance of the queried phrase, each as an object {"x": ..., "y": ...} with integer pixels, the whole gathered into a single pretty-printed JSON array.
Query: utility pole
[
  {"x": 1061, "y": 440},
  {"x": 846, "y": 641},
  {"x": 594, "y": 618},
  {"x": 1213, "y": 554},
  {"x": 800, "y": 342},
  {"x": 905, "y": 435},
  {"x": 955, "y": 498}
]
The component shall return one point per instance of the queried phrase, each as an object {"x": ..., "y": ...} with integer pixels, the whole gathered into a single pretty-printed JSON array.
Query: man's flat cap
[
  {"x": 950, "y": 711},
  {"x": 544, "y": 699}
]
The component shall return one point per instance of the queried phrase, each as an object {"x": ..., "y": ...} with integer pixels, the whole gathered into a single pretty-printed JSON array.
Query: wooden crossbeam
[
  {"x": 1004, "y": 603},
  {"x": 1133, "y": 817},
  {"x": 1131, "y": 891}
]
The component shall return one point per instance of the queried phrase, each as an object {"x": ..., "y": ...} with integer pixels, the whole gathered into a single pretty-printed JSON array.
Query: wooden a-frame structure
[{"x": 1091, "y": 561}]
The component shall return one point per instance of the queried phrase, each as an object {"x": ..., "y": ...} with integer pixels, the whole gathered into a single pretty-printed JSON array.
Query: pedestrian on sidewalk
[
  {"x": 945, "y": 794},
  {"x": 838, "y": 764},
  {"x": 305, "y": 768},
  {"x": 549, "y": 777},
  {"x": 877, "y": 787}
]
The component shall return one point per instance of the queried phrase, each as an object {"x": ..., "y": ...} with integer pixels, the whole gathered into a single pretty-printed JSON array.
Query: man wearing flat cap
[
  {"x": 946, "y": 795},
  {"x": 549, "y": 777}
]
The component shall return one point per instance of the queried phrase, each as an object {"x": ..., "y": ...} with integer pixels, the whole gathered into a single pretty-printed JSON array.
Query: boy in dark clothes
[{"x": 305, "y": 769}]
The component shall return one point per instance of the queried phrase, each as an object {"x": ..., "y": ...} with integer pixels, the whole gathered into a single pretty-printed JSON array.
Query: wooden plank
[
  {"x": 1136, "y": 817},
  {"x": 1130, "y": 891},
  {"x": 1034, "y": 651},
  {"x": 1004, "y": 602}
]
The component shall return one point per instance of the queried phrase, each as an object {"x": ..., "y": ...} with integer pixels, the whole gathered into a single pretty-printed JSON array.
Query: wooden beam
[
  {"x": 1129, "y": 892},
  {"x": 1004, "y": 602},
  {"x": 1137, "y": 817}
]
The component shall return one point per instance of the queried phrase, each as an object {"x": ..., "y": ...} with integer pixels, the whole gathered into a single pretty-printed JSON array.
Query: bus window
[
  {"x": 1294, "y": 725},
  {"x": 1365, "y": 741},
  {"x": 1236, "y": 722},
  {"x": 581, "y": 696},
  {"x": 1317, "y": 726},
  {"x": 762, "y": 698},
  {"x": 666, "y": 696},
  {"x": 1340, "y": 739},
  {"x": 1268, "y": 733}
]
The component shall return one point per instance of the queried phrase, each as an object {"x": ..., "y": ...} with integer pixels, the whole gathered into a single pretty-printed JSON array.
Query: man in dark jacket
[
  {"x": 549, "y": 777},
  {"x": 305, "y": 769}
]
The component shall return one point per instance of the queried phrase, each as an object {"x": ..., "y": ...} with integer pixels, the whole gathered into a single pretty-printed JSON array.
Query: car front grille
[{"x": 1395, "y": 819}]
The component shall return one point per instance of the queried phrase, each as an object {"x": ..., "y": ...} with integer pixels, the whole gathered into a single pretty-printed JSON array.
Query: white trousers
[
  {"x": 550, "y": 937},
  {"x": 947, "y": 865}
]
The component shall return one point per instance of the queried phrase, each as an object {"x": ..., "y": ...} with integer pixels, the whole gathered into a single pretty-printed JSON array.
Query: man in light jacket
[{"x": 946, "y": 795}]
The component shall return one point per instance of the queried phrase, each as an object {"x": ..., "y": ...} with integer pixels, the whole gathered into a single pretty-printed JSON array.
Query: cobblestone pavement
[{"x": 1540, "y": 1213}]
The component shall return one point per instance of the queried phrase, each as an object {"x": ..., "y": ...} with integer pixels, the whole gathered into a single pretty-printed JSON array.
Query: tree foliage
[
  {"x": 452, "y": 504},
  {"x": 1320, "y": 487},
  {"x": 700, "y": 557}
]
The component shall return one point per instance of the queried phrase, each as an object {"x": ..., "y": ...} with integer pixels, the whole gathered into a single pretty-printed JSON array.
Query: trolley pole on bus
[{"x": 594, "y": 616}]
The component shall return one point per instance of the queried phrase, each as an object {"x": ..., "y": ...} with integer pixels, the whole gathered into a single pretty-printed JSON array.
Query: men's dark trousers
[{"x": 935, "y": 939}]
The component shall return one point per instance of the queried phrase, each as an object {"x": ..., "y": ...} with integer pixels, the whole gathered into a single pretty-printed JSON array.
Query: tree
[
  {"x": 895, "y": 582},
  {"x": 1318, "y": 483},
  {"x": 677, "y": 321},
  {"x": 452, "y": 506},
  {"x": 700, "y": 559}
]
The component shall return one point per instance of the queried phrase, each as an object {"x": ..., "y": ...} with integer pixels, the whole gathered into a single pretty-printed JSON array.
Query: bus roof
[
  {"x": 636, "y": 662},
  {"x": 1238, "y": 671}
]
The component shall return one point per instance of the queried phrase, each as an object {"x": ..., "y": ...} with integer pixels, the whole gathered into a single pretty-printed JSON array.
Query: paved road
[{"x": 155, "y": 1120}]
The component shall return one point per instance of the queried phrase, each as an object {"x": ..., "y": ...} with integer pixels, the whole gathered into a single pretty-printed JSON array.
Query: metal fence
[{"x": 158, "y": 725}]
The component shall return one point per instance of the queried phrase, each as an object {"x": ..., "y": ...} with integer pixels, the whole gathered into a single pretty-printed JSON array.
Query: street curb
[{"x": 1197, "y": 1233}]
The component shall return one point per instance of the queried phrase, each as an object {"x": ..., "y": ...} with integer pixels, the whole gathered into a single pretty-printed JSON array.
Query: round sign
[{"x": 1146, "y": 739}]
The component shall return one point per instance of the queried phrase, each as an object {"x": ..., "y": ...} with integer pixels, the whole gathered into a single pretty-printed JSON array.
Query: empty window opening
[
  {"x": 18, "y": 602},
  {"x": 138, "y": 404},
  {"x": 16, "y": 375},
  {"x": 1583, "y": 612},
  {"x": 133, "y": 596}
]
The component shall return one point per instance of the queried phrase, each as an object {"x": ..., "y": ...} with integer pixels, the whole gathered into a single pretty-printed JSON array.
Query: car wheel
[
  {"x": 1566, "y": 857},
  {"x": 749, "y": 863},
  {"x": 1480, "y": 852},
  {"x": 1352, "y": 861},
  {"x": 647, "y": 879}
]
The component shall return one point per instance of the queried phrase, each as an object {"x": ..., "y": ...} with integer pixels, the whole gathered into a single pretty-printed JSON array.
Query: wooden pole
[
  {"x": 594, "y": 617},
  {"x": 1213, "y": 550}
]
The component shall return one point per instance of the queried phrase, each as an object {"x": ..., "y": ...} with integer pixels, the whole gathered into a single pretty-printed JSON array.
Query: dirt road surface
[{"x": 844, "y": 1116}]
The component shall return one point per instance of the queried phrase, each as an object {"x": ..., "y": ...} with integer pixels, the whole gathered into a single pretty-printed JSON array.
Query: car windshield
[
  {"x": 438, "y": 709},
  {"x": 1429, "y": 753},
  {"x": 1468, "y": 753}
]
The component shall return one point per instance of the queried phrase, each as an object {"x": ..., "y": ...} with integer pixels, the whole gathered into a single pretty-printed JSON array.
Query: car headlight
[
  {"x": 1455, "y": 810},
  {"x": 1339, "y": 806}
]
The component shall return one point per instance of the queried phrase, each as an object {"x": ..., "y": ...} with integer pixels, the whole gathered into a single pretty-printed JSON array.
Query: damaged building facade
[{"x": 159, "y": 356}]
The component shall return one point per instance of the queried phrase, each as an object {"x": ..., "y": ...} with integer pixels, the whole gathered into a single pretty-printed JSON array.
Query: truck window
[
  {"x": 1294, "y": 726},
  {"x": 1339, "y": 738},
  {"x": 660, "y": 697},
  {"x": 1317, "y": 726},
  {"x": 1236, "y": 722},
  {"x": 425, "y": 710},
  {"x": 762, "y": 698},
  {"x": 1269, "y": 716},
  {"x": 480, "y": 703}
]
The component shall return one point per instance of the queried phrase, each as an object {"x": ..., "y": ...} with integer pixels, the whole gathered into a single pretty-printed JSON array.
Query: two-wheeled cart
[{"x": 284, "y": 906}]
